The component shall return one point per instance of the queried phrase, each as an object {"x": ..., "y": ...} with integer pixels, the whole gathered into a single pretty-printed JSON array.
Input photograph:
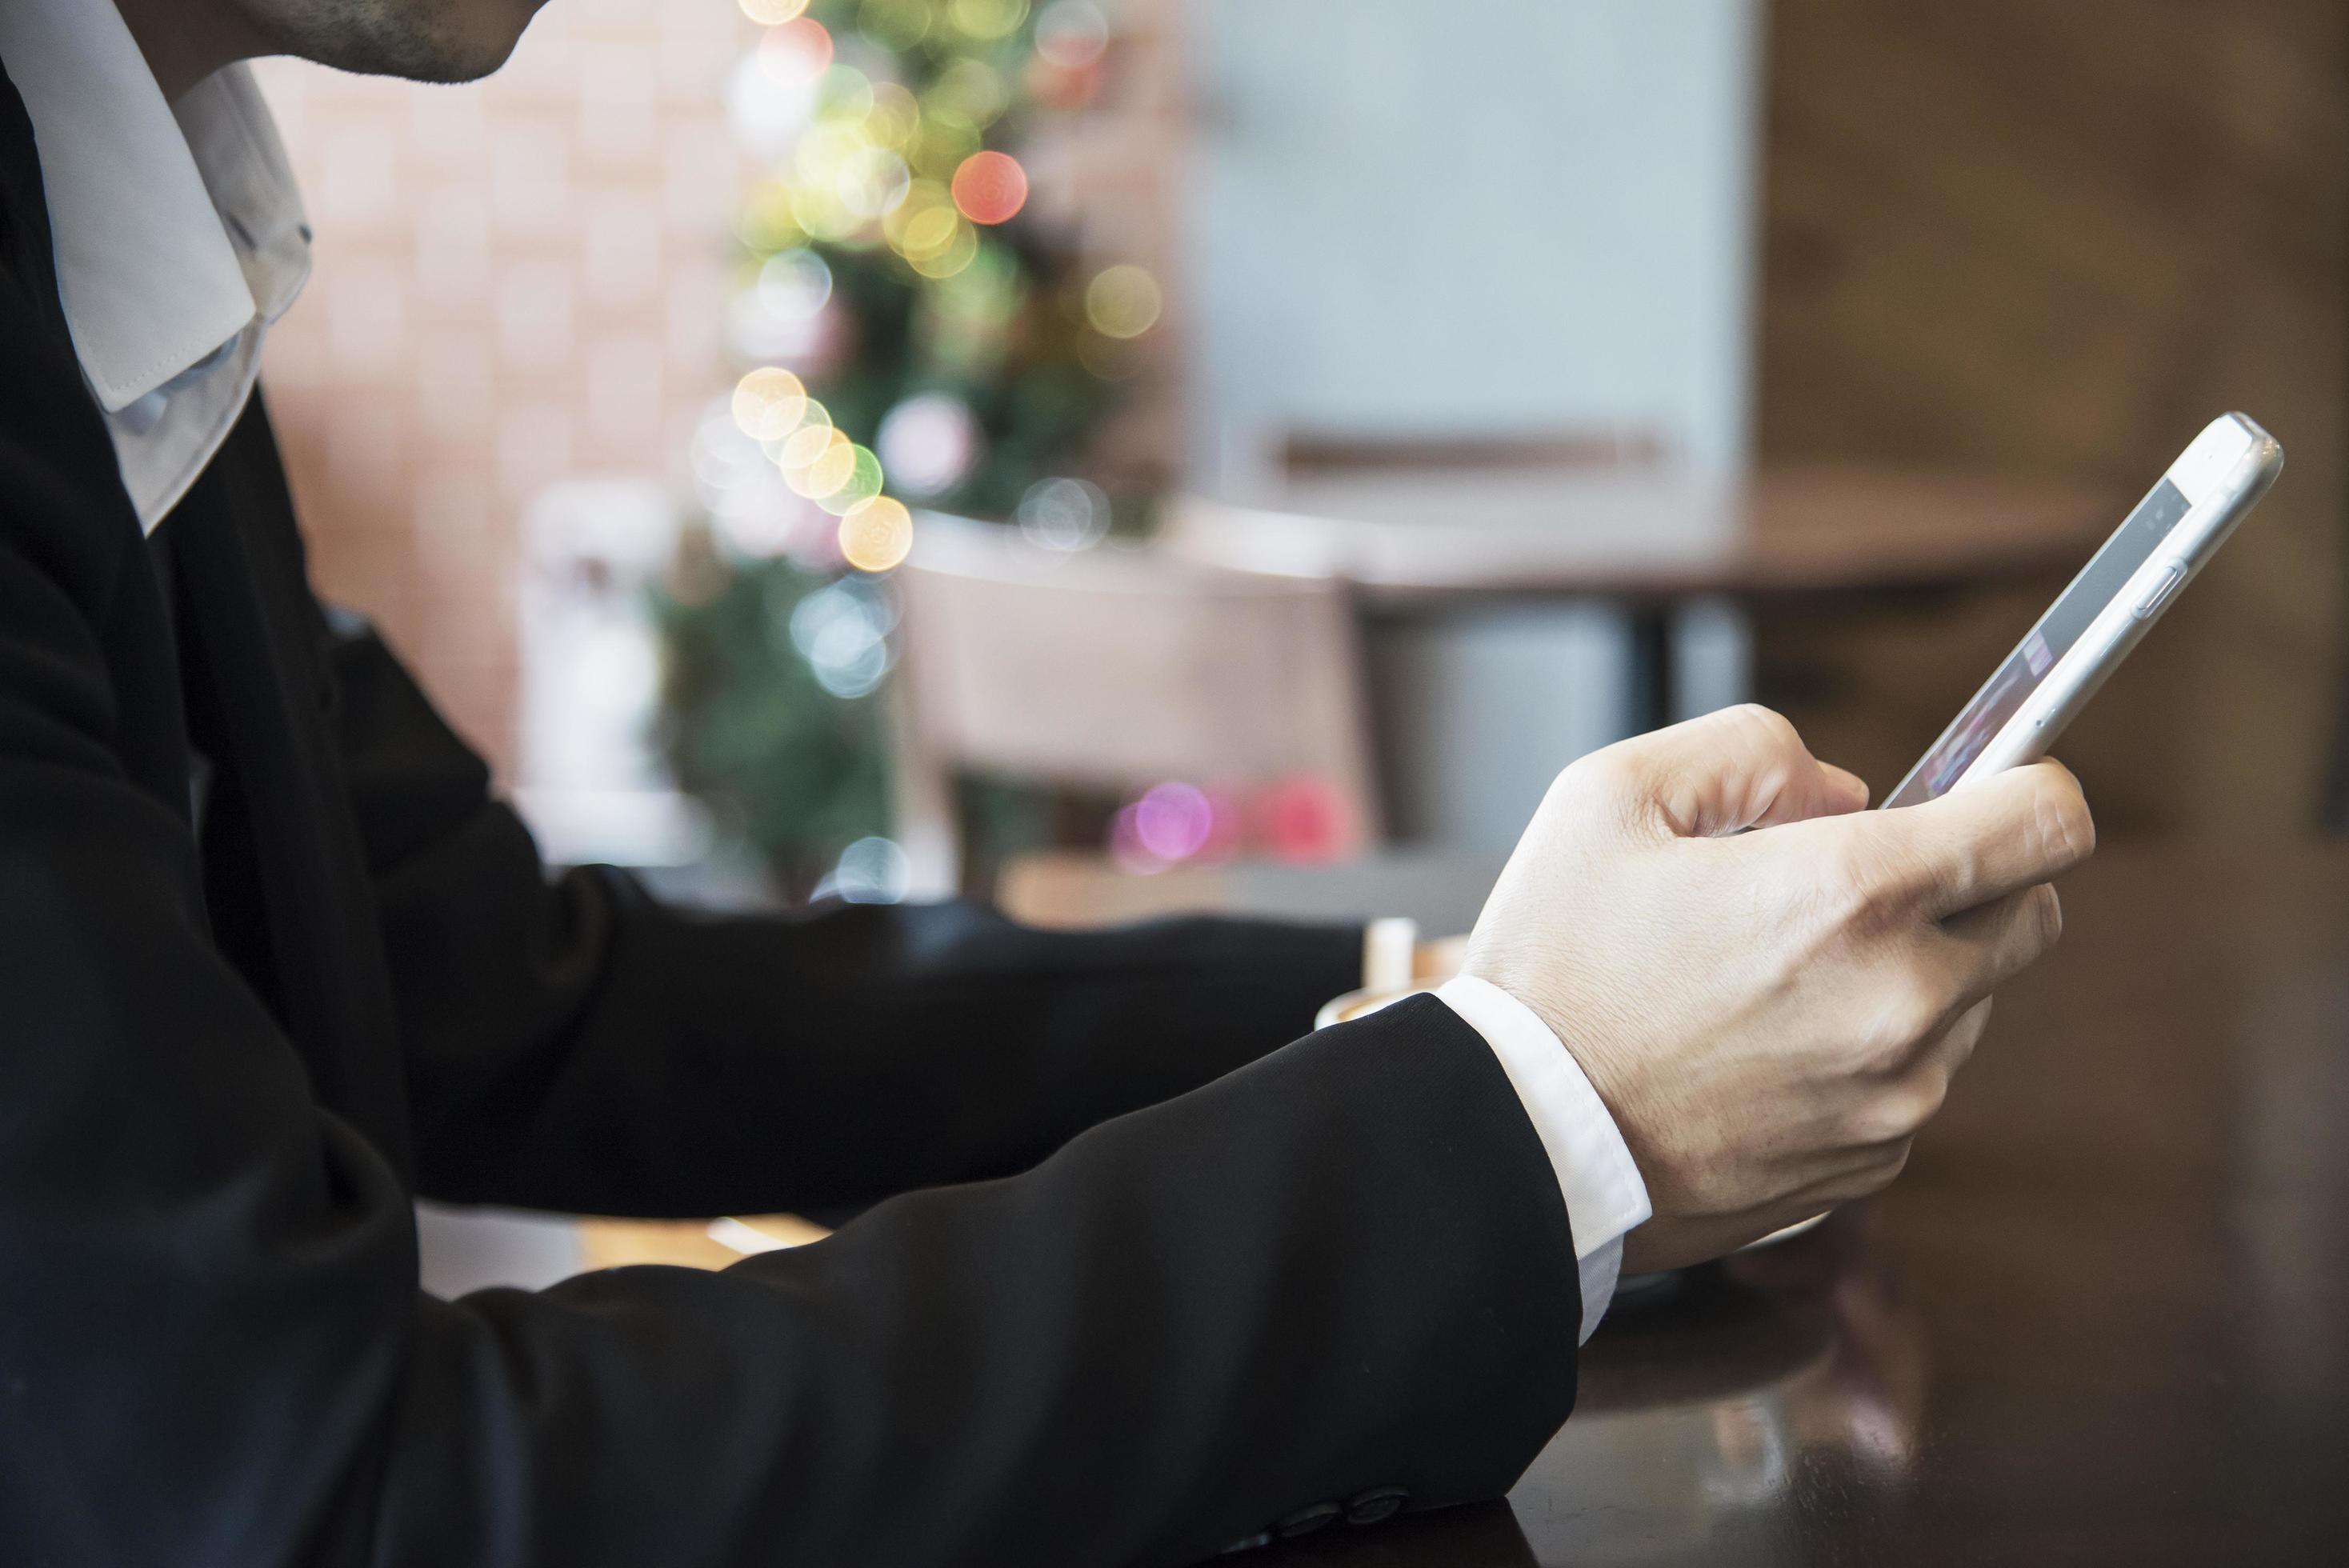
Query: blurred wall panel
[
  {"x": 517, "y": 282},
  {"x": 1495, "y": 216},
  {"x": 2058, "y": 239}
]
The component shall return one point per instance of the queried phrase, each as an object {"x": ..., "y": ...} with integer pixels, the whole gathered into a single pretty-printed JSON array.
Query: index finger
[{"x": 2011, "y": 830}]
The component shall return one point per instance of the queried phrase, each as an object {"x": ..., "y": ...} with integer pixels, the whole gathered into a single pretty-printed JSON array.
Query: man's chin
[
  {"x": 481, "y": 38},
  {"x": 441, "y": 41}
]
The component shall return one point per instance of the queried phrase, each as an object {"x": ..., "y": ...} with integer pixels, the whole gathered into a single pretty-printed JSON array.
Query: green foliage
[
  {"x": 748, "y": 730},
  {"x": 922, "y": 301}
]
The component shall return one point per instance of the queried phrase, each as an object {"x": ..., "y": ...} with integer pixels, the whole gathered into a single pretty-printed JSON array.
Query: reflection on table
[{"x": 2103, "y": 1315}]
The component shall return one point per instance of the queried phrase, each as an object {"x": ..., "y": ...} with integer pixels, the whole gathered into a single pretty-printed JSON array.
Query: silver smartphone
[{"x": 2093, "y": 625}]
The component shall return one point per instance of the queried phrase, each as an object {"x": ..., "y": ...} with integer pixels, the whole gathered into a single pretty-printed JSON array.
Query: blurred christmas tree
[{"x": 910, "y": 332}]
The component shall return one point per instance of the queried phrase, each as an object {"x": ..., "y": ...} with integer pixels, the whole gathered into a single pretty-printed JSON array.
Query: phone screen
[{"x": 2098, "y": 584}]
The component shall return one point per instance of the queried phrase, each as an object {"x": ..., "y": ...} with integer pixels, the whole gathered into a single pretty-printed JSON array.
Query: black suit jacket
[{"x": 1140, "y": 1279}]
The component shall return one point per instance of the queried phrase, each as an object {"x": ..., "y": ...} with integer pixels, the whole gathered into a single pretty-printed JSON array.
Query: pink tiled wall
[
  {"x": 517, "y": 281},
  {"x": 523, "y": 280}
]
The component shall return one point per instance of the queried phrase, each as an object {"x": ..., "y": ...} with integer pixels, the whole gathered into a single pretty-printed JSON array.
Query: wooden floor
[{"x": 2057, "y": 240}]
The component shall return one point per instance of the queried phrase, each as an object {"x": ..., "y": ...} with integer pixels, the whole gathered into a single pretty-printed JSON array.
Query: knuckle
[
  {"x": 1765, "y": 738},
  {"x": 1765, "y": 725},
  {"x": 1965, "y": 1036},
  {"x": 1879, "y": 1120},
  {"x": 2067, "y": 831},
  {"x": 1925, "y": 1096},
  {"x": 1856, "y": 885},
  {"x": 1895, "y": 1114},
  {"x": 1907, "y": 1010},
  {"x": 1611, "y": 770}
]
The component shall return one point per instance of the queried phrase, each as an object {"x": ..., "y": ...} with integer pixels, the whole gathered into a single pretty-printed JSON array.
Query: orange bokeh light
[
  {"x": 990, "y": 187},
  {"x": 877, "y": 534}
]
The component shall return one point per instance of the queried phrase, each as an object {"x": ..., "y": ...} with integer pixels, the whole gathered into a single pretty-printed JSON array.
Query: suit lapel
[{"x": 25, "y": 214}]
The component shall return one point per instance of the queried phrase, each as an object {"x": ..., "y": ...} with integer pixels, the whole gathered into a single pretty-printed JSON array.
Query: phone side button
[{"x": 2154, "y": 597}]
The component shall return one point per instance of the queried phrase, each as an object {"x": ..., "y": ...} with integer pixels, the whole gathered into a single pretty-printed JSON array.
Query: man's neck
[{"x": 187, "y": 40}]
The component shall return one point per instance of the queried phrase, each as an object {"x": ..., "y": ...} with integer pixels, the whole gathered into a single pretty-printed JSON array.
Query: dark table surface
[{"x": 2103, "y": 1317}]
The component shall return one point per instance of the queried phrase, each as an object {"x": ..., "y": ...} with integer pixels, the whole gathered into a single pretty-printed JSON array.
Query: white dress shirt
[
  {"x": 180, "y": 236},
  {"x": 1605, "y": 1197}
]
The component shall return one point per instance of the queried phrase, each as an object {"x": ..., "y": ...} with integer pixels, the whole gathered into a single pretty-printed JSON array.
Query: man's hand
[{"x": 1769, "y": 1017}]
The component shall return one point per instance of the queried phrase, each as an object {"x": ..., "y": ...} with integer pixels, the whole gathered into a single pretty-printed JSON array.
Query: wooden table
[
  {"x": 2104, "y": 1317},
  {"x": 1422, "y": 540}
]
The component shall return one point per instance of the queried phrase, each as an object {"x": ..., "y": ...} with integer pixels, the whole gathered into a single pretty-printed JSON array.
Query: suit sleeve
[
  {"x": 574, "y": 1045},
  {"x": 1342, "y": 1267}
]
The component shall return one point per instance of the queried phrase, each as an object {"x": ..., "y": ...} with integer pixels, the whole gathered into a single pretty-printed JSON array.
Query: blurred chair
[{"x": 1112, "y": 668}]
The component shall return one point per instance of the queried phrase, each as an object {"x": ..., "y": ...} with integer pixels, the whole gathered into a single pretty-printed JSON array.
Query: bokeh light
[
  {"x": 1173, "y": 820},
  {"x": 925, "y": 223},
  {"x": 796, "y": 53},
  {"x": 768, "y": 403},
  {"x": 767, "y": 223},
  {"x": 870, "y": 182},
  {"x": 772, "y": 12},
  {"x": 985, "y": 19},
  {"x": 877, "y": 535},
  {"x": 896, "y": 25},
  {"x": 805, "y": 444},
  {"x": 753, "y": 513},
  {"x": 1307, "y": 818},
  {"x": 861, "y": 483},
  {"x": 1072, "y": 34},
  {"x": 870, "y": 871},
  {"x": 928, "y": 442},
  {"x": 896, "y": 116},
  {"x": 827, "y": 470},
  {"x": 940, "y": 145},
  {"x": 960, "y": 251},
  {"x": 990, "y": 187},
  {"x": 1122, "y": 301},
  {"x": 970, "y": 91},
  {"x": 1064, "y": 513},
  {"x": 795, "y": 283},
  {"x": 845, "y": 93},
  {"x": 841, "y": 630},
  {"x": 1171, "y": 823},
  {"x": 767, "y": 116}
]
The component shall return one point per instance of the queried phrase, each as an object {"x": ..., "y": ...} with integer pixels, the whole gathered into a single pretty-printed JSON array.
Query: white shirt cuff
[{"x": 1604, "y": 1195}]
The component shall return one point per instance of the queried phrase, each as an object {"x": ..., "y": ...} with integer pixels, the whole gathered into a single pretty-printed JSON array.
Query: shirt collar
[{"x": 173, "y": 232}]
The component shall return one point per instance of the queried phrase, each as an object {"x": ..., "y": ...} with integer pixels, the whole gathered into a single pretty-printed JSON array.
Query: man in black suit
[{"x": 1141, "y": 1282}]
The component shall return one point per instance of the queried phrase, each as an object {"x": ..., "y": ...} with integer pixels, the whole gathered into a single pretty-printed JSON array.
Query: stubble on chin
[{"x": 418, "y": 40}]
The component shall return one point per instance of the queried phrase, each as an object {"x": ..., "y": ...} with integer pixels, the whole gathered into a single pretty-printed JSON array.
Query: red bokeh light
[
  {"x": 990, "y": 187},
  {"x": 1307, "y": 818},
  {"x": 798, "y": 50}
]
